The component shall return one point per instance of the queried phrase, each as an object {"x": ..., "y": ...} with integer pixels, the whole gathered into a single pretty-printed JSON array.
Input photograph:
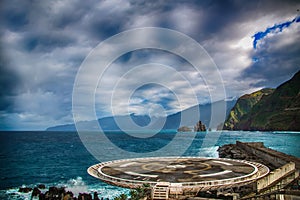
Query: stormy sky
[{"x": 255, "y": 44}]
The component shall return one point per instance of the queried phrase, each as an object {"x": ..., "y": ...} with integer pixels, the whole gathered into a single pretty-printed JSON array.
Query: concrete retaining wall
[
  {"x": 277, "y": 159},
  {"x": 276, "y": 175}
]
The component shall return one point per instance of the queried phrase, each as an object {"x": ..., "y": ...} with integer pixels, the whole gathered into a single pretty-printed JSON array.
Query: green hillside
[
  {"x": 266, "y": 110},
  {"x": 243, "y": 106}
]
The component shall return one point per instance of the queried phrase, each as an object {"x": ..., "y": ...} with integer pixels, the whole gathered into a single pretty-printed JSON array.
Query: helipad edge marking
[
  {"x": 138, "y": 174},
  {"x": 127, "y": 164},
  {"x": 221, "y": 162},
  {"x": 216, "y": 174}
]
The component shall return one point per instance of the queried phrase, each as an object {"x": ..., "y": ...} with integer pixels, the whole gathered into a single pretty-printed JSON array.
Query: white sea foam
[
  {"x": 209, "y": 152},
  {"x": 76, "y": 186}
]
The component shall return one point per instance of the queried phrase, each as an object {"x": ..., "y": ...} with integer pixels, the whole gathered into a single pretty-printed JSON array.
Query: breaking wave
[{"x": 76, "y": 186}]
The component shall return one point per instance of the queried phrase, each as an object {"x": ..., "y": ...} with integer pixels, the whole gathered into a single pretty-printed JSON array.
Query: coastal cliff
[
  {"x": 243, "y": 106},
  {"x": 268, "y": 109}
]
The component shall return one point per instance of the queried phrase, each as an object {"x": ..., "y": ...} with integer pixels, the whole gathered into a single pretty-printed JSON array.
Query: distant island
[
  {"x": 268, "y": 109},
  {"x": 184, "y": 129}
]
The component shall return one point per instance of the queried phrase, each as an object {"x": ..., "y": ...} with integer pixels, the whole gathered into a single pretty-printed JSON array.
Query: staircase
[{"x": 161, "y": 190}]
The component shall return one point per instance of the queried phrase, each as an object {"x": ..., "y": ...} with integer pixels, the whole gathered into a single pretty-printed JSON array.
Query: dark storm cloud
[
  {"x": 274, "y": 62},
  {"x": 9, "y": 82},
  {"x": 104, "y": 28},
  {"x": 214, "y": 16},
  {"x": 47, "y": 40},
  {"x": 14, "y": 15},
  {"x": 222, "y": 15}
]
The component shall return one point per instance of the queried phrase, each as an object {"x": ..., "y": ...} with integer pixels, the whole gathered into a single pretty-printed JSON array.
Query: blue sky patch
[{"x": 277, "y": 28}]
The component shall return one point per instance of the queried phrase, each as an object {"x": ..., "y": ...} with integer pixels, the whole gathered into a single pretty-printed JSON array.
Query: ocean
[{"x": 61, "y": 159}]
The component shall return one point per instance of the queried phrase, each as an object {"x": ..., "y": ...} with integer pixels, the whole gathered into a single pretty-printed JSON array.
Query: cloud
[
  {"x": 9, "y": 82},
  {"x": 276, "y": 58},
  {"x": 277, "y": 28},
  {"x": 44, "y": 43},
  {"x": 133, "y": 75}
]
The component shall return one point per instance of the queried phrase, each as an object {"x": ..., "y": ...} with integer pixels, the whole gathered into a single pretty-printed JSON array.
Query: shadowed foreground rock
[
  {"x": 25, "y": 189},
  {"x": 58, "y": 193}
]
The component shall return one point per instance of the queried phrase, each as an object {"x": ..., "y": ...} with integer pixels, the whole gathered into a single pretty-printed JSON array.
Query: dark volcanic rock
[
  {"x": 70, "y": 193},
  {"x": 35, "y": 192},
  {"x": 96, "y": 196},
  {"x": 42, "y": 196},
  {"x": 231, "y": 151},
  {"x": 25, "y": 189},
  {"x": 55, "y": 193},
  {"x": 85, "y": 196},
  {"x": 41, "y": 186},
  {"x": 199, "y": 127},
  {"x": 68, "y": 197}
]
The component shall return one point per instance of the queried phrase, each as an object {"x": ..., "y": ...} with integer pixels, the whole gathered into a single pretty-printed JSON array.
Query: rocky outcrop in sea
[
  {"x": 57, "y": 193},
  {"x": 199, "y": 127}
]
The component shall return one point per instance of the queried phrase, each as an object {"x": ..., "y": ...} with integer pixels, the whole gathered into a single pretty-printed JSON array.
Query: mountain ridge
[
  {"x": 279, "y": 110},
  {"x": 173, "y": 121}
]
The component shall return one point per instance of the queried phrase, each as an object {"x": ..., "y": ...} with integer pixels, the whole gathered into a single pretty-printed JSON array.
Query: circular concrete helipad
[{"x": 203, "y": 173}]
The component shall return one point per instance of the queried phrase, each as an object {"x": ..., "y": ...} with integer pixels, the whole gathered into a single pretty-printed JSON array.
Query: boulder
[
  {"x": 35, "y": 192},
  {"x": 70, "y": 193},
  {"x": 41, "y": 186},
  {"x": 68, "y": 197},
  {"x": 25, "y": 189},
  {"x": 84, "y": 196},
  {"x": 55, "y": 193},
  {"x": 96, "y": 196},
  {"x": 42, "y": 196}
]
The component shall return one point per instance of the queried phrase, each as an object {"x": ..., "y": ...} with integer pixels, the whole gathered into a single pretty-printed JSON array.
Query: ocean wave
[
  {"x": 209, "y": 152},
  {"x": 75, "y": 185}
]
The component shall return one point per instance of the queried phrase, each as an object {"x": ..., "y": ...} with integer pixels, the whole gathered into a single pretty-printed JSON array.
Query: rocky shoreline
[{"x": 57, "y": 193}]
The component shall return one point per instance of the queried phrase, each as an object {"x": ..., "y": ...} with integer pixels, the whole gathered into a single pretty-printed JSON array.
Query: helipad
[{"x": 197, "y": 173}]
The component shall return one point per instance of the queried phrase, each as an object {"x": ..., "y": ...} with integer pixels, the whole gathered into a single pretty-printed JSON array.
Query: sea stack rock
[{"x": 199, "y": 127}]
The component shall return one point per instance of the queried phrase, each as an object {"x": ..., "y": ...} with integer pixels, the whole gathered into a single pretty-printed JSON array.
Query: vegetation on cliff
[
  {"x": 268, "y": 109},
  {"x": 243, "y": 106}
]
